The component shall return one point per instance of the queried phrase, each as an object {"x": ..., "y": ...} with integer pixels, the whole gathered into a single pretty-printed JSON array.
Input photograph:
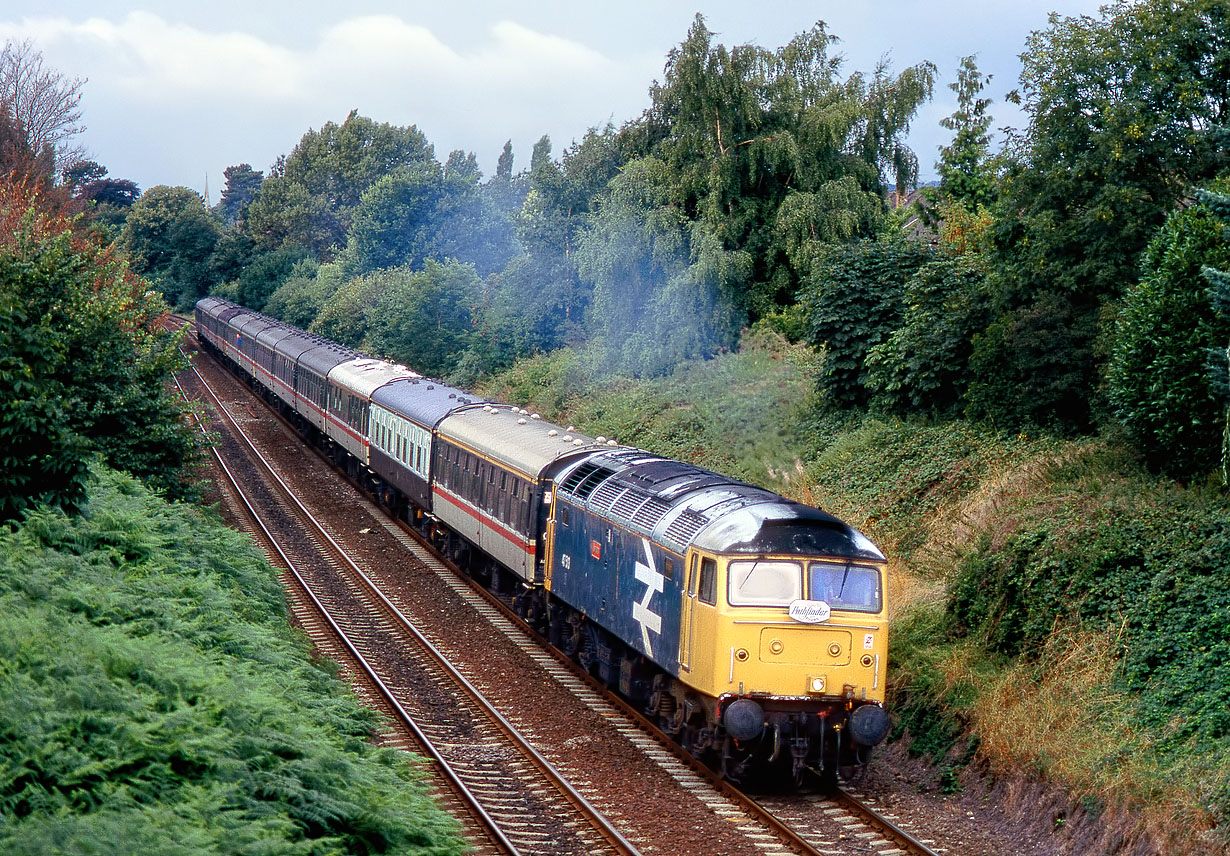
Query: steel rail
[{"x": 602, "y": 825}]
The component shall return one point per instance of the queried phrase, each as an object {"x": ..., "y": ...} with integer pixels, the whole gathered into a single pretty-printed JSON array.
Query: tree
[
  {"x": 1126, "y": 111},
  {"x": 264, "y": 273},
  {"x": 1158, "y": 374},
  {"x": 42, "y": 102},
  {"x": 422, "y": 318},
  {"x": 302, "y": 295},
  {"x": 855, "y": 299},
  {"x": 170, "y": 237},
  {"x": 310, "y": 195},
  {"x": 423, "y": 212},
  {"x": 774, "y": 152},
  {"x": 84, "y": 365},
  {"x": 923, "y": 365},
  {"x": 242, "y": 185},
  {"x": 964, "y": 174},
  {"x": 663, "y": 287}
]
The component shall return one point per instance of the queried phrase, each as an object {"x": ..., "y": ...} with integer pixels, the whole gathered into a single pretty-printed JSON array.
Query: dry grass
[{"x": 1062, "y": 718}]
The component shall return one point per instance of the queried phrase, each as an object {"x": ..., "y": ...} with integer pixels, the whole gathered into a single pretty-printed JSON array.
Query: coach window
[{"x": 707, "y": 591}]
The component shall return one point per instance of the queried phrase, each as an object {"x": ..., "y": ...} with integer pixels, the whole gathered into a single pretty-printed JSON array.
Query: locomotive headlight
[
  {"x": 815, "y": 684},
  {"x": 776, "y": 646}
]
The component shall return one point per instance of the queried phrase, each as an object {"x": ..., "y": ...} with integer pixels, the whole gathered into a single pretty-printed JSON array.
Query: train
[{"x": 751, "y": 628}]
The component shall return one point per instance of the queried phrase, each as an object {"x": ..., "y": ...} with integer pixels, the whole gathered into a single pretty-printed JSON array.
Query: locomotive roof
[
  {"x": 681, "y": 504},
  {"x": 364, "y": 375},
  {"x": 422, "y": 400},
  {"x": 514, "y": 437}
]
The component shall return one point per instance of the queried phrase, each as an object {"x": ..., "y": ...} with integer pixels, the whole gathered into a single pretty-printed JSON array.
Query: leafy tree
[
  {"x": 774, "y": 152},
  {"x": 242, "y": 185},
  {"x": 422, "y": 318},
  {"x": 855, "y": 299},
  {"x": 83, "y": 365},
  {"x": 303, "y": 294},
  {"x": 1127, "y": 110},
  {"x": 505, "y": 191},
  {"x": 423, "y": 212},
  {"x": 964, "y": 173},
  {"x": 310, "y": 195},
  {"x": 232, "y": 254},
  {"x": 923, "y": 366},
  {"x": 265, "y": 272},
  {"x": 170, "y": 238},
  {"x": 1158, "y": 374},
  {"x": 663, "y": 288},
  {"x": 556, "y": 215},
  {"x": 107, "y": 200},
  {"x": 83, "y": 172},
  {"x": 42, "y": 103}
]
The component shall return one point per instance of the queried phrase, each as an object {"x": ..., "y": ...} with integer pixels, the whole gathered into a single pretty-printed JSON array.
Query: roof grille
[
  {"x": 684, "y": 527},
  {"x": 605, "y": 496},
  {"x": 649, "y": 514}
]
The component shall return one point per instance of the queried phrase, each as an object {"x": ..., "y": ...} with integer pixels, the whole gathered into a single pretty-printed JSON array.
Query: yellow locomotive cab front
[
  {"x": 787, "y": 644},
  {"x": 785, "y": 626}
]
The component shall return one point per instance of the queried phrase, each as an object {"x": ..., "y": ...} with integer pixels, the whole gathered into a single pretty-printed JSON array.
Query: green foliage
[
  {"x": 1032, "y": 368},
  {"x": 738, "y": 413},
  {"x": 963, "y": 167},
  {"x": 301, "y": 296},
  {"x": 310, "y": 196},
  {"x": 84, "y": 367},
  {"x": 424, "y": 212},
  {"x": 772, "y": 152},
  {"x": 1158, "y": 378},
  {"x": 265, "y": 272},
  {"x": 923, "y": 366},
  {"x": 242, "y": 185},
  {"x": 1117, "y": 555},
  {"x": 662, "y": 294},
  {"x": 170, "y": 238},
  {"x": 154, "y": 699},
  {"x": 1126, "y": 113},
  {"x": 899, "y": 476},
  {"x": 422, "y": 318},
  {"x": 855, "y": 299}
]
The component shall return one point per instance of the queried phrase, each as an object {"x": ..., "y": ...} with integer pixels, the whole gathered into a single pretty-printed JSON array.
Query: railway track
[
  {"x": 805, "y": 824},
  {"x": 518, "y": 802}
]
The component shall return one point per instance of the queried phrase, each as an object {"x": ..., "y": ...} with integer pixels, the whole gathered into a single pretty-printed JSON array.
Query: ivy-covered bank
[
  {"x": 155, "y": 700},
  {"x": 1058, "y": 610}
]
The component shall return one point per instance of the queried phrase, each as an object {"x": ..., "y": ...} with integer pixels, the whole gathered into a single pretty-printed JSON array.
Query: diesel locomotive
[{"x": 751, "y": 627}]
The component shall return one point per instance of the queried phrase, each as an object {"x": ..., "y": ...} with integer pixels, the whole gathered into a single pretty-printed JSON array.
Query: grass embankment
[
  {"x": 155, "y": 700},
  {"x": 1057, "y": 610}
]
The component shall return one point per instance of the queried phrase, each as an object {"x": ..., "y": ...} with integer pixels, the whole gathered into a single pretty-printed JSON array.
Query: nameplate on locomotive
[{"x": 809, "y": 611}]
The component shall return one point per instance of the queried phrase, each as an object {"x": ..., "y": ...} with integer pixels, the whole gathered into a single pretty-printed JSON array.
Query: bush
[
  {"x": 1158, "y": 377},
  {"x": 855, "y": 299},
  {"x": 155, "y": 700},
  {"x": 84, "y": 366}
]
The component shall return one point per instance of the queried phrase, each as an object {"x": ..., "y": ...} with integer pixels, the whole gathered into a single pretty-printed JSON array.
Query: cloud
[{"x": 146, "y": 58}]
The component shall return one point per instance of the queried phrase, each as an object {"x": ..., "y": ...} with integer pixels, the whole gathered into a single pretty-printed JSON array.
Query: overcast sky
[{"x": 177, "y": 92}]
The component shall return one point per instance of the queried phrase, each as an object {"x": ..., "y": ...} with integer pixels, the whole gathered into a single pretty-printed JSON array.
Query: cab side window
[{"x": 707, "y": 591}]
